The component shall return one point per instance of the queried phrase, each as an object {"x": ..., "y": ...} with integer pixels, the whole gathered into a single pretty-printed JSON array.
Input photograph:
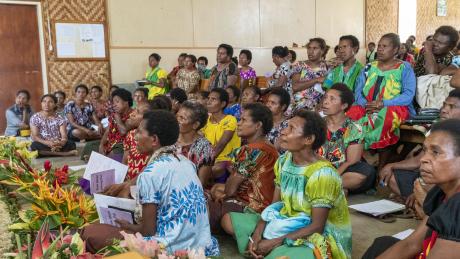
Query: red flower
[
  {"x": 65, "y": 168},
  {"x": 47, "y": 165},
  {"x": 61, "y": 177}
]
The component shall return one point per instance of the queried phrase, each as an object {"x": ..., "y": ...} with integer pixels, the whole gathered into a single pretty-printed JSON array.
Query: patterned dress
[
  {"x": 114, "y": 137},
  {"x": 275, "y": 133},
  {"x": 189, "y": 81},
  {"x": 81, "y": 116},
  {"x": 249, "y": 76},
  {"x": 311, "y": 96},
  {"x": 255, "y": 163},
  {"x": 284, "y": 69},
  {"x": 136, "y": 160},
  {"x": 419, "y": 67},
  {"x": 48, "y": 128},
  {"x": 234, "y": 110},
  {"x": 335, "y": 147},
  {"x": 199, "y": 152},
  {"x": 170, "y": 181},
  {"x": 219, "y": 79},
  {"x": 338, "y": 75},
  {"x": 396, "y": 88}
]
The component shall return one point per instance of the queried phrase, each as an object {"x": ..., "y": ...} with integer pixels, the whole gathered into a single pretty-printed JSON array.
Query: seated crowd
[{"x": 271, "y": 165}]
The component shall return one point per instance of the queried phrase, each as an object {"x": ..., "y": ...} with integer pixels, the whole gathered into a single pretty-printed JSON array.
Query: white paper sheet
[
  {"x": 403, "y": 234},
  {"x": 377, "y": 208},
  {"x": 104, "y": 201},
  {"x": 98, "y": 163}
]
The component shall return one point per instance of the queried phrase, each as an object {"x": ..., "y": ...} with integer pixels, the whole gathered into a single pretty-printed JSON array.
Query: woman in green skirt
[{"x": 310, "y": 217}]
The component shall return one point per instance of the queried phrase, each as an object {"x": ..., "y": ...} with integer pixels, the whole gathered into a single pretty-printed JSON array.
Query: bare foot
[{"x": 73, "y": 153}]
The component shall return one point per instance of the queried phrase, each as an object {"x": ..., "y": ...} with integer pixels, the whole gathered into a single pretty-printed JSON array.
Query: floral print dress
[
  {"x": 311, "y": 96},
  {"x": 170, "y": 181},
  {"x": 284, "y": 69}
]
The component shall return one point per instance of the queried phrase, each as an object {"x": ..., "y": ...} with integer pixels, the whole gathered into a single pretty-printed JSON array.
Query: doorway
[{"x": 21, "y": 52}]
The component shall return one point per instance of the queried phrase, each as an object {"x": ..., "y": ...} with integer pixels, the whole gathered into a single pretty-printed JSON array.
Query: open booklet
[
  {"x": 101, "y": 172},
  {"x": 377, "y": 208},
  {"x": 110, "y": 209}
]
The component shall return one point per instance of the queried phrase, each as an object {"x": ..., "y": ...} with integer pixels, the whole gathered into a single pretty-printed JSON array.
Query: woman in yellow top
[
  {"x": 221, "y": 132},
  {"x": 156, "y": 77}
]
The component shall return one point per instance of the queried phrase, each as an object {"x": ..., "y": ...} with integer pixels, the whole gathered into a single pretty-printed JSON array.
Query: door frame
[{"x": 41, "y": 38}]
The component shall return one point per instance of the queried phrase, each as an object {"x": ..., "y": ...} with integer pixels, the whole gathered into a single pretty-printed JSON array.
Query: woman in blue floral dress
[{"x": 173, "y": 204}]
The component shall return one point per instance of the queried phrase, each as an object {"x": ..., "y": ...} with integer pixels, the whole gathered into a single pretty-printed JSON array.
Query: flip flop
[
  {"x": 386, "y": 218},
  {"x": 404, "y": 214}
]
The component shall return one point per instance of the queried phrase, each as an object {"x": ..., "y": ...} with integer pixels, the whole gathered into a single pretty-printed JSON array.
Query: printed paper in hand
[
  {"x": 102, "y": 180},
  {"x": 377, "y": 208},
  {"x": 403, "y": 234},
  {"x": 109, "y": 215},
  {"x": 103, "y": 202},
  {"x": 99, "y": 163}
]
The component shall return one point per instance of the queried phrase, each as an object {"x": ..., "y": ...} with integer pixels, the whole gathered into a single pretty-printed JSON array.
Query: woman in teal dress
[{"x": 309, "y": 217}]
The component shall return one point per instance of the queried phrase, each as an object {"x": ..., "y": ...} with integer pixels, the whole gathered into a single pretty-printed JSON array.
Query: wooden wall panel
[
  {"x": 64, "y": 75},
  {"x": 381, "y": 18},
  {"x": 427, "y": 21}
]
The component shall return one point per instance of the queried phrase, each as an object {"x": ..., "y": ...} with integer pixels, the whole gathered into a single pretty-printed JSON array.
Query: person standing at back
[{"x": 225, "y": 73}]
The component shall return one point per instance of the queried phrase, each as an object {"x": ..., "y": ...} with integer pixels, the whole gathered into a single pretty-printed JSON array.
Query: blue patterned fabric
[{"x": 172, "y": 184}]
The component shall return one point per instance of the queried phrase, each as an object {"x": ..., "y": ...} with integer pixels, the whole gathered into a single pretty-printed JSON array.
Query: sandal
[
  {"x": 386, "y": 218},
  {"x": 404, "y": 214}
]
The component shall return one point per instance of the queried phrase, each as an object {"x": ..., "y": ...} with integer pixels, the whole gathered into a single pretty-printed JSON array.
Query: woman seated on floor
[
  {"x": 250, "y": 94},
  {"x": 48, "y": 131},
  {"x": 438, "y": 235},
  {"x": 60, "y": 96},
  {"x": 81, "y": 117},
  {"x": 175, "y": 213},
  {"x": 220, "y": 132},
  {"x": 278, "y": 102},
  {"x": 344, "y": 142},
  {"x": 192, "y": 117},
  {"x": 309, "y": 217},
  {"x": 18, "y": 115},
  {"x": 112, "y": 141},
  {"x": 98, "y": 103},
  {"x": 250, "y": 186},
  {"x": 384, "y": 93}
]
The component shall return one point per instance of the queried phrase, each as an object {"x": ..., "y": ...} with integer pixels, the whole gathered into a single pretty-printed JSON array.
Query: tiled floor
[{"x": 365, "y": 228}]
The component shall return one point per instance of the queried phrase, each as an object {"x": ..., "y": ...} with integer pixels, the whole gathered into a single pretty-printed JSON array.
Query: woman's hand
[
  {"x": 385, "y": 174},
  {"x": 265, "y": 246},
  {"x": 116, "y": 190},
  {"x": 253, "y": 244},
  {"x": 218, "y": 192},
  {"x": 123, "y": 224}
]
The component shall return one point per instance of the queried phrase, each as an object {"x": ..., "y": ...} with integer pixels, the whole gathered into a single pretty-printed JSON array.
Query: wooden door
[{"x": 20, "y": 66}]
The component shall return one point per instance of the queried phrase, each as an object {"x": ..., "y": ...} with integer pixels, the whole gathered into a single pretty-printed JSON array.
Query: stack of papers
[{"x": 377, "y": 208}]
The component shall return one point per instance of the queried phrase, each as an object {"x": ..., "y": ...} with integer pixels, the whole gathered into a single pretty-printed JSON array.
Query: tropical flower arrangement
[
  {"x": 56, "y": 204},
  {"x": 50, "y": 191},
  {"x": 153, "y": 249}
]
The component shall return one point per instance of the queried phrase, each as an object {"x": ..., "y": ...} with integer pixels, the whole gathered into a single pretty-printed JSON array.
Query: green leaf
[{"x": 19, "y": 226}]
